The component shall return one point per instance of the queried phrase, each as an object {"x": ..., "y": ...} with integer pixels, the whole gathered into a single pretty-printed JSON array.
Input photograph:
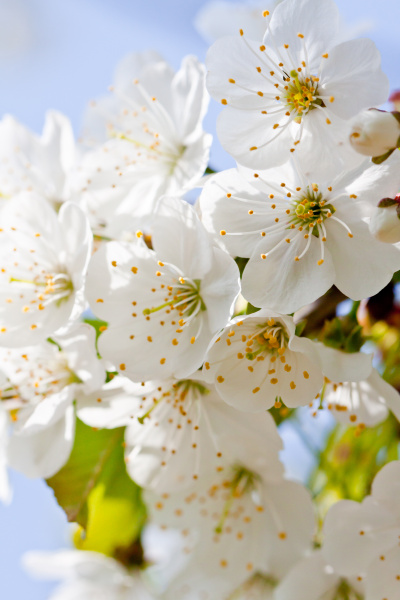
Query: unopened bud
[
  {"x": 385, "y": 221},
  {"x": 376, "y": 133}
]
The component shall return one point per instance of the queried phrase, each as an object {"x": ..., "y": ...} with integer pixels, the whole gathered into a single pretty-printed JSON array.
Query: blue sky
[{"x": 59, "y": 54}]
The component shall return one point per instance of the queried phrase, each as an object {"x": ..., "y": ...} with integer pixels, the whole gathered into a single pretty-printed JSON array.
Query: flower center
[
  {"x": 345, "y": 592},
  {"x": 171, "y": 155},
  {"x": 311, "y": 209},
  {"x": 181, "y": 391},
  {"x": 242, "y": 482},
  {"x": 41, "y": 378},
  {"x": 302, "y": 95},
  {"x": 48, "y": 288},
  {"x": 270, "y": 338},
  {"x": 184, "y": 297}
]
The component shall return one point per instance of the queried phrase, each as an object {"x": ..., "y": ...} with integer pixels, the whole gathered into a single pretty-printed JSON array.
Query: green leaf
[
  {"x": 355, "y": 340},
  {"x": 95, "y": 491}
]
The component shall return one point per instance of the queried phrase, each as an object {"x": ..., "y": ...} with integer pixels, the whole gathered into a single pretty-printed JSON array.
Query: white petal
[
  {"x": 344, "y": 366},
  {"x": 352, "y": 75},
  {"x": 250, "y": 136},
  {"x": 282, "y": 283},
  {"x": 386, "y": 486},
  {"x": 190, "y": 98},
  {"x": 383, "y": 578},
  {"x": 220, "y": 213},
  {"x": 179, "y": 238},
  {"x": 317, "y": 21},
  {"x": 44, "y": 453},
  {"x": 219, "y": 289},
  {"x": 363, "y": 265}
]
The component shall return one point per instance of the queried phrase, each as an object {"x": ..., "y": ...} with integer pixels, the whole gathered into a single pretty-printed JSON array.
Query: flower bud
[
  {"x": 385, "y": 221},
  {"x": 375, "y": 132}
]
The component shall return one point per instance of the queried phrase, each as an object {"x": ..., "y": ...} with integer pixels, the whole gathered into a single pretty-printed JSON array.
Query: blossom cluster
[{"x": 124, "y": 306}]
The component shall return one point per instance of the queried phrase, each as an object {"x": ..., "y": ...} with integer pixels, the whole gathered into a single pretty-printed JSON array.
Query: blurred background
[{"x": 59, "y": 54}]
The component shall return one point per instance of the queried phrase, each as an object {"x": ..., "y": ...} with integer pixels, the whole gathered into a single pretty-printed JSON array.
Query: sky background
[{"x": 59, "y": 54}]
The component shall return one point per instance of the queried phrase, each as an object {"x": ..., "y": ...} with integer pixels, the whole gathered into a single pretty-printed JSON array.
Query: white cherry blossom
[
  {"x": 42, "y": 383},
  {"x": 44, "y": 257},
  {"x": 258, "y": 361},
  {"x": 156, "y": 144},
  {"x": 296, "y": 90},
  {"x": 40, "y": 164},
  {"x": 184, "y": 431},
  {"x": 235, "y": 524},
  {"x": 302, "y": 232},
  {"x": 177, "y": 430},
  {"x": 164, "y": 305}
]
